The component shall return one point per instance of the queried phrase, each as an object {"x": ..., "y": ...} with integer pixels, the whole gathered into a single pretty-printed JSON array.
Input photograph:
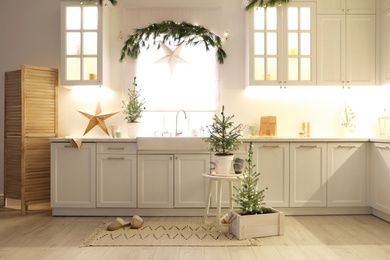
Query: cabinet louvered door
[{"x": 30, "y": 120}]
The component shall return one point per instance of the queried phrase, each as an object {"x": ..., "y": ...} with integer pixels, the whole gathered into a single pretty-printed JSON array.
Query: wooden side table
[{"x": 219, "y": 179}]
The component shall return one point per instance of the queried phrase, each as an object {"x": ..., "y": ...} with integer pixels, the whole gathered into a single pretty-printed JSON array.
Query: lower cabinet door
[
  {"x": 380, "y": 174},
  {"x": 116, "y": 181},
  {"x": 155, "y": 181},
  {"x": 347, "y": 175},
  {"x": 308, "y": 174},
  {"x": 190, "y": 189},
  {"x": 73, "y": 182}
]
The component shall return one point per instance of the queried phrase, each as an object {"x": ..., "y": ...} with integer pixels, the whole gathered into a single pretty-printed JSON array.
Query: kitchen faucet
[{"x": 177, "y": 115}]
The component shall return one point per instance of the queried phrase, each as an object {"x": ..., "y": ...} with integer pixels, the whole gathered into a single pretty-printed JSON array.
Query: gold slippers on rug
[{"x": 136, "y": 223}]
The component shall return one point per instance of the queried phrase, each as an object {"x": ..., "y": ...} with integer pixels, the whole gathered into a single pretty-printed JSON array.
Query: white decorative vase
[
  {"x": 223, "y": 164},
  {"x": 133, "y": 129}
]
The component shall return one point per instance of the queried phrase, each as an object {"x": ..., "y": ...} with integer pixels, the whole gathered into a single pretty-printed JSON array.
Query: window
[{"x": 192, "y": 85}]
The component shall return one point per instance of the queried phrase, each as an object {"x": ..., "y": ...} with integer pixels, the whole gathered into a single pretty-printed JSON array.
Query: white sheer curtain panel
[{"x": 191, "y": 84}]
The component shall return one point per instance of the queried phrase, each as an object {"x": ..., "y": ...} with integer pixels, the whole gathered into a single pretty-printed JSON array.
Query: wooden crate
[
  {"x": 261, "y": 225},
  {"x": 30, "y": 119}
]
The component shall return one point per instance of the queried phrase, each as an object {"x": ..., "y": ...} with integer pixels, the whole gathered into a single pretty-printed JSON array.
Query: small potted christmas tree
[
  {"x": 253, "y": 219},
  {"x": 133, "y": 109},
  {"x": 223, "y": 140}
]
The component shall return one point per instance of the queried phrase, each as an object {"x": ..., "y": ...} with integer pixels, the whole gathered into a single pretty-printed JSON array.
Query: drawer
[{"x": 117, "y": 148}]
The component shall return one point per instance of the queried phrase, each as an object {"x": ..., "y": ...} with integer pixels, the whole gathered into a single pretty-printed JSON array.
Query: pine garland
[
  {"x": 169, "y": 31},
  {"x": 264, "y": 3},
  {"x": 248, "y": 196},
  {"x": 113, "y": 2}
]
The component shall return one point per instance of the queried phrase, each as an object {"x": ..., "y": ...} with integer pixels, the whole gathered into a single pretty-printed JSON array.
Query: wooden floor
[{"x": 38, "y": 235}]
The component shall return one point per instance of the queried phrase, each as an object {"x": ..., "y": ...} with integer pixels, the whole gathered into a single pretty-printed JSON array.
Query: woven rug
[{"x": 166, "y": 234}]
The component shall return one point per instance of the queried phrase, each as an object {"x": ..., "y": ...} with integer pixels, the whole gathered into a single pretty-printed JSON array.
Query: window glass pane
[
  {"x": 305, "y": 69},
  {"x": 272, "y": 44},
  {"x": 305, "y": 18},
  {"x": 90, "y": 18},
  {"x": 190, "y": 83},
  {"x": 293, "y": 68},
  {"x": 73, "y": 43},
  {"x": 259, "y": 69},
  {"x": 272, "y": 19},
  {"x": 259, "y": 44},
  {"x": 259, "y": 18},
  {"x": 90, "y": 43},
  {"x": 292, "y": 43},
  {"x": 90, "y": 67},
  {"x": 73, "y": 18},
  {"x": 73, "y": 69},
  {"x": 305, "y": 44},
  {"x": 292, "y": 18},
  {"x": 272, "y": 68}
]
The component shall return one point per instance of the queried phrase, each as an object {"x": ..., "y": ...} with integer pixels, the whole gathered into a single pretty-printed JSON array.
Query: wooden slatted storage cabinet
[{"x": 30, "y": 120}]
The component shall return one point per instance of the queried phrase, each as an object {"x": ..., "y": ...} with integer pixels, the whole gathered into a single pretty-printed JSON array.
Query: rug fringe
[{"x": 94, "y": 234}]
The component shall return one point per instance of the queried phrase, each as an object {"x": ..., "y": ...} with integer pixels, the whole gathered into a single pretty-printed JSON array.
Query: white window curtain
[{"x": 192, "y": 85}]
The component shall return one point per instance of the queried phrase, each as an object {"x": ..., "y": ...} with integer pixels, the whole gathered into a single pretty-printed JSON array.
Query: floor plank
[{"x": 38, "y": 235}]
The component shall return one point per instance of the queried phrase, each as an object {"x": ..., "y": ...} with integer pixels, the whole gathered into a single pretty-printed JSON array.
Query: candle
[{"x": 92, "y": 76}]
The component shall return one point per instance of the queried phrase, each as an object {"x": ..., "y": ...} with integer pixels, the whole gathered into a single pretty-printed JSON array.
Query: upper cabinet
[
  {"x": 282, "y": 44},
  {"x": 346, "y": 6},
  {"x": 385, "y": 48},
  {"x": 346, "y": 43},
  {"x": 83, "y": 53}
]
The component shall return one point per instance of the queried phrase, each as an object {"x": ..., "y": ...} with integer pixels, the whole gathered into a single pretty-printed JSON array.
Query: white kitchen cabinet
[
  {"x": 380, "y": 177},
  {"x": 281, "y": 45},
  {"x": 116, "y": 175},
  {"x": 189, "y": 183},
  {"x": 308, "y": 174},
  {"x": 346, "y": 6},
  {"x": 84, "y": 43},
  {"x": 155, "y": 181},
  {"x": 385, "y": 47},
  {"x": 346, "y": 50},
  {"x": 385, "y": 5},
  {"x": 272, "y": 162},
  {"x": 73, "y": 175},
  {"x": 347, "y": 175}
]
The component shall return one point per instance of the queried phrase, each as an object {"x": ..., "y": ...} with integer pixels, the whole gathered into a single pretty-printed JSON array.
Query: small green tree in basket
[
  {"x": 248, "y": 196},
  {"x": 134, "y": 107}
]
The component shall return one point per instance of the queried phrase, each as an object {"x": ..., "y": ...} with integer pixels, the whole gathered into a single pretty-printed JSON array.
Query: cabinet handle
[
  {"x": 308, "y": 146},
  {"x": 346, "y": 146},
  {"x": 170, "y": 158},
  {"x": 116, "y": 158},
  {"x": 116, "y": 148},
  {"x": 70, "y": 146},
  {"x": 383, "y": 147},
  {"x": 271, "y": 146}
]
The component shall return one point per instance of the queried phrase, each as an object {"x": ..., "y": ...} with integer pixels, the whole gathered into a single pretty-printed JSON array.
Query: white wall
[{"x": 30, "y": 34}]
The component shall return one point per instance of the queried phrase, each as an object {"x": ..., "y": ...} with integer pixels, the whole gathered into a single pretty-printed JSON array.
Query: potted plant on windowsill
[
  {"x": 253, "y": 219},
  {"x": 133, "y": 110},
  {"x": 223, "y": 140}
]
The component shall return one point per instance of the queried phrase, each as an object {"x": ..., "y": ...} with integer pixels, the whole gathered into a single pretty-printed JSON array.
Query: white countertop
[{"x": 244, "y": 139}]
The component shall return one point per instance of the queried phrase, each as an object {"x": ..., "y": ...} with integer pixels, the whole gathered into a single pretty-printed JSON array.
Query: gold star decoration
[
  {"x": 97, "y": 119},
  {"x": 172, "y": 57}
]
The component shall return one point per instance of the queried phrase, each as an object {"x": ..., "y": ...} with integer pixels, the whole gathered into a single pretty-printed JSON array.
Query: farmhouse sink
[{"x": 171, "y": 144}]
